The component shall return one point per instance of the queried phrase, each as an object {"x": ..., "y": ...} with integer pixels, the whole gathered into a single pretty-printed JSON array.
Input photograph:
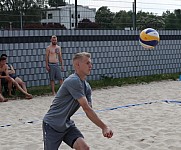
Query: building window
[
  {"x": 72, "y": 15},
  {"x": 43, "y": 14},
  {"x": 72, "y": 24},
  {"x": 78, "y": 16},
  {"x": 50, "y": 16}
]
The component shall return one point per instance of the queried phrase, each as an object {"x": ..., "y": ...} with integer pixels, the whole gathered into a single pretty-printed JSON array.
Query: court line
[{"x": 100, "y": 110}]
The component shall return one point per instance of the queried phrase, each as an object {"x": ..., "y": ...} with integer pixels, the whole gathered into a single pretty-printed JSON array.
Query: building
[{"x": 65, "y": 15}]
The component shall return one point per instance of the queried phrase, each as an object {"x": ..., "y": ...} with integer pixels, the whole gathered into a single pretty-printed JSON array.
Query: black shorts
[
  {"x": 3, "y": 81},
  {"x": 53, "y": 139},
  {"x": 13, "y": 76}
]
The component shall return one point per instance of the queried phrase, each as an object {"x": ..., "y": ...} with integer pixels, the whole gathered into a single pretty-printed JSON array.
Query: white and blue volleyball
[{"x": 149, "y": 38}]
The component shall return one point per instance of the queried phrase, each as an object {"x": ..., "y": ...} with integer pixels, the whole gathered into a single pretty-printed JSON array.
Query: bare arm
[
  {"x": 94, "y": 118},
  {"x": 60, "y": 58},
  {"x": 3, "y": 77},
  {"x": 47, "y": 59},
  {"x": 5, "y": 69},
  {"x": 12, "y": 71}
]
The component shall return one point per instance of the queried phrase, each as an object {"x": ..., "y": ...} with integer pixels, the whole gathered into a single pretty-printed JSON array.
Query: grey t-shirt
[{"x": 65, "y": 103}]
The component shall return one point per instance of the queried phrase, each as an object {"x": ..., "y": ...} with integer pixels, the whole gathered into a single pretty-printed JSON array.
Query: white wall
[{"x": 66, "y": 15}]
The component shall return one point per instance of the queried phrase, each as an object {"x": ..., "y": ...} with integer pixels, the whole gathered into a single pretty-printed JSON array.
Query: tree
[
  {"x": 122, "y": 20},
  {"x": 177, "y": 13},
  {"x": 56, "y": 3},
  {"x": 87, "y": 24},
  {"x": 104, "y": 17},
  {"x": 170, "y": 20},
  {"x": 18, "y": 12},
  {"x": 32, "y": 15},
  {"x": 149, "y": 20}
]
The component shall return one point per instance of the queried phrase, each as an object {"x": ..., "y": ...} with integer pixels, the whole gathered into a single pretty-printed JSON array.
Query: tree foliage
[
  {"x": 56, "y": 3},
  {"x": 149, "y": 20},
  {"x": 123, "y": 19},
  {"x": 172, "y": 19},
  {"x": 87, "y": 24},
  {"x": 17, "y": 12},
  {"x": 104, "y": 17}
]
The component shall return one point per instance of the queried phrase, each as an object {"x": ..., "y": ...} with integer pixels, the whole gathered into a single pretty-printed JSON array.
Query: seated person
[
  {"x": 4, "y": 70},
  {"x": 11, "y": 72},
  {"x": 3, "y": 77}
]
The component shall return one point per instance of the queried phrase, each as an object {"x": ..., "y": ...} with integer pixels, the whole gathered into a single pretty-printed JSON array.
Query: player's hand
[
  {"x": 48, "y": 68},
  {"x": 107, "y": 132},
  {"x": 62, "y": 68}
]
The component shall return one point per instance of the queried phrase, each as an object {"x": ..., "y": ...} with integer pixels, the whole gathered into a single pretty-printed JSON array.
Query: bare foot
[
  {"x": 29, "y": 96},
  {"x": 3, "y": 100},
  {"x": 53, "y": 93},
  {"x": 9, "y": 93}
]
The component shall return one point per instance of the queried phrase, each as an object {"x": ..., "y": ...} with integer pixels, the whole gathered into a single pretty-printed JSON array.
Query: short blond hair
[{"x": 81, "y": 55}]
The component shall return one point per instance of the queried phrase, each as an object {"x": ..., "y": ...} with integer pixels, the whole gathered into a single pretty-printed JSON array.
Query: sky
[{"x": 157, "y": 7}]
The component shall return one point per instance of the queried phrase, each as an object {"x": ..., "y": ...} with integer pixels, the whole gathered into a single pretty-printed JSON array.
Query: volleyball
[{"x": 149, "y": 38}]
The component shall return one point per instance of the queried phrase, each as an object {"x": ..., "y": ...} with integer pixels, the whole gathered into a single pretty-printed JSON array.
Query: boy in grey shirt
[{"x": 74, "y": 93}]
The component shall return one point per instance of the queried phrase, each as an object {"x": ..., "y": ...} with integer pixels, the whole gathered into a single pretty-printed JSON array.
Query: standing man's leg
[
  {"x": 59, "y": 75},
  {"x": 55, "y": 74},
  {"x": 75, "y": 139},
  {"x": 52, "y": 76},
  {"x": 61, "y": 81},
  {"x": 80, "y": 144},
  {"x": 52, "y": 83}
]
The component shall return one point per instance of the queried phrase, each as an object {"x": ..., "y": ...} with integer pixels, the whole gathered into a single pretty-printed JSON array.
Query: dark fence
[{"x": 115, "y": 53}]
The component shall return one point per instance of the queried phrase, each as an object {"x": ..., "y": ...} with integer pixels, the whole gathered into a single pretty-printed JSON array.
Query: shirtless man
[
  {"x": 2, "y": 99},
  {"x": 53, "y": 57},
  {"x": 4, "y": 75}
]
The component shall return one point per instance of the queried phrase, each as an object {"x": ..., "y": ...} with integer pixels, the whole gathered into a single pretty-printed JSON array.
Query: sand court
[{"x": 138, "y": 114}]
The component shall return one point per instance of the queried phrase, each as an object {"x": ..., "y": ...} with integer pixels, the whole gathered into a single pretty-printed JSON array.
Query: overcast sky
[{"x": 155, "y": 6}]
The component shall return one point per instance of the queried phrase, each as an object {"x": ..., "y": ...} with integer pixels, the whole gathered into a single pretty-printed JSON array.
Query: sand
[{"x": 152, "y": 124}]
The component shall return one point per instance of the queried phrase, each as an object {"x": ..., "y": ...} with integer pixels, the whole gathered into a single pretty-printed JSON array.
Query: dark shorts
[
  {"x": 13, "y": 76},
  {"x": 53, "y": 139},
  {"x": 3, "y": 81},
  {"x": 55, "y": 72}
]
